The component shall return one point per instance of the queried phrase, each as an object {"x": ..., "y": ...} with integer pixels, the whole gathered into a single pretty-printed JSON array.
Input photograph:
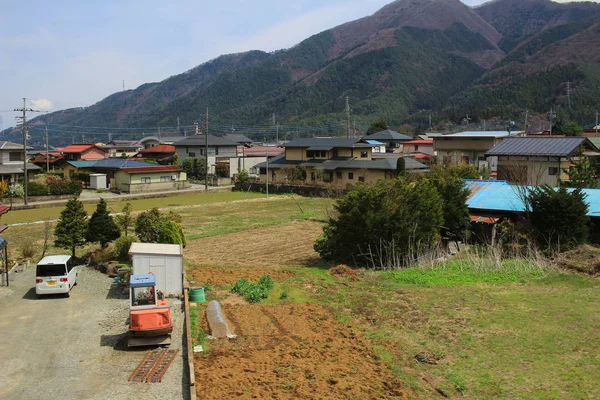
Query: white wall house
[{"x": 165, "y": 261}]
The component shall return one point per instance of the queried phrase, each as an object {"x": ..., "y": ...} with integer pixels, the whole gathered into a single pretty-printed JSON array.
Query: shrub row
[{"x": 54, "y": 187}]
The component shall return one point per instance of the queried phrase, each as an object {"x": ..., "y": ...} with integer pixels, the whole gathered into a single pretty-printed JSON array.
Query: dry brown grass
[{"x": 288, "y": 244}]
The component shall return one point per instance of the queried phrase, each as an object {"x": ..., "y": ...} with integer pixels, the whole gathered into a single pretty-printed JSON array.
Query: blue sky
[{"x": 62, "y": 54}]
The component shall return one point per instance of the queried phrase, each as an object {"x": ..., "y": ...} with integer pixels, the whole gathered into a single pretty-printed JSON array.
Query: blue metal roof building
[{"x": 498, "y": 197}]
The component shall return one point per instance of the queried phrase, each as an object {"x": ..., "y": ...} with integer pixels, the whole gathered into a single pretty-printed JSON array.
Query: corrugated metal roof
[
  {"x": 375, "y": 142},
  {"x": 421, "y": 141},
  {"x": 156, "y": 249},
  {"x": 499, "y": 196},
  {"x": 532, "y": 146},
  {"x": 388, "y": 135},
  {"x": 112, "y": 163}
]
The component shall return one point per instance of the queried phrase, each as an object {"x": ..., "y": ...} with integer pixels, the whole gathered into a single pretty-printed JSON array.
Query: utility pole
[
  {"x": 569, "y": 94},
  {"x": 430, "y": 127},
  {"x": 526, "y": 117},
  {"x": 267, "y": 176},
  {"x": 24, "y": 118},
  {"x": 277, "y": 137},
  {"x": 159, "y": 139},
  {"x": 348, "y": 115},
  {"x": 178, "y": 128},
  {"x": 551, "y": 116},
  {"x": 47, "y": 157},
  {"x": 206, "y": 153},
  {"x": 196, "y": 124},
  {"x": 484, "y": 125},
  {"x": 596, "y": 127}
]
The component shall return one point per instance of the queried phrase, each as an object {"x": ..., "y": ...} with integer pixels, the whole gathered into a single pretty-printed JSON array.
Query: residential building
[
  {"x": 107, "y": 166},
  {"x": 118, "y": 148},
  {"x": 540, "y": 160},
  {"x": 219, "y": 149},
  {"x": 160, "y": 153},
  {"x": 11, "y": 163},
  {"x": 239, "y": 139},
  {"x": 249, "y": 157},
  {"x": 150, "y": 179},
  {"x": 393, "y": 140},
  {"x": 51, "y": 160},
  {"x": 150, "y": 141},
  {"x": 419, "y": 146},
  {"x": 331, "y": 160},
  {"x": 378, "y": 147},
  {"x": 469, "y": 148},
  {"x": 83, "y": 152}
]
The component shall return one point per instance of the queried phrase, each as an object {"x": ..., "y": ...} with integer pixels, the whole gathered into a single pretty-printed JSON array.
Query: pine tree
[
  {"x": 171, "y": 233},
  {"x": 401, "y": 167},
  {"x": 102, "y": 227},
  {"x": 71, "y": 228},
  {"x": 125, "y": 220}
]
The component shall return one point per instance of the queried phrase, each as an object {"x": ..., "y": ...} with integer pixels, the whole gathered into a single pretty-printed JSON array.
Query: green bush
[
  {"x": 253, "y": 292},
  {"x": 37, "y": 189},
  {"x": 122, "y": 246}
]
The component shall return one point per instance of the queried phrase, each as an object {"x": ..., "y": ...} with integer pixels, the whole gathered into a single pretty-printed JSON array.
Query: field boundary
[{"x": 188, "y": 336}]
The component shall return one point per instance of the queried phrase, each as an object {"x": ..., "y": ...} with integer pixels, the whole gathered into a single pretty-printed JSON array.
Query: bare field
[
  {"x": 289, "y": 244},
  {"x": 292, "y": 351}
]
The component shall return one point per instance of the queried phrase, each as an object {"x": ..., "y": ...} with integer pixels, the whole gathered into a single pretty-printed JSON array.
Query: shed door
[{"x": 159, "y": 269}]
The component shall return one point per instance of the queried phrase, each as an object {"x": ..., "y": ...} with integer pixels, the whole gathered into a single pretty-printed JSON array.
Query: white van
[{"x": 55, "y": 275}]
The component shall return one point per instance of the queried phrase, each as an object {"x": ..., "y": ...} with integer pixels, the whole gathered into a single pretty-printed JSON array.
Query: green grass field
[{"x": 511, "y": 331}]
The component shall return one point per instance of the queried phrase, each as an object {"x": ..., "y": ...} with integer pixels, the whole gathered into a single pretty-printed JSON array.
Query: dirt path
[{"x": 73, "y": 348}]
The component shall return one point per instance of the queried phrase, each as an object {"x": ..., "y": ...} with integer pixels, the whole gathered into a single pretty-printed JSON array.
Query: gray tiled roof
[
  {"x": 532, "y": 146},
  {"x": 198, "y": 140},
  {"x": 344, "y": 163},
  {"x": 238, "y": 138},
  {"x": 388, "y": 135},
  {"x": 327, "y": 142}
]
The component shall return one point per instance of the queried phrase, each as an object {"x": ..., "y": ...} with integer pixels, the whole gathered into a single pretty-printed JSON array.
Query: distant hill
[{"x": 410, "y": 56}]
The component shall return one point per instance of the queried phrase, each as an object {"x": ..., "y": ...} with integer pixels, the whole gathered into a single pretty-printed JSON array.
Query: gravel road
[{"x": 74, "y": 348}]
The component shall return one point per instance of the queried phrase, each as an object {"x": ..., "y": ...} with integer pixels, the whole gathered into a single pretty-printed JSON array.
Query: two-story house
[
  {"x": 116, "y": 148},
  {"x": 331, "y": 160},
  {"x": 469, "y": 148},
  {"x": 540, "y": 160},
  {"x": 161, "y": 153},
  {"x": 393, "y": 140},
  {"x": 219, "y": 149},
  {"x": 11, "y": 163}
]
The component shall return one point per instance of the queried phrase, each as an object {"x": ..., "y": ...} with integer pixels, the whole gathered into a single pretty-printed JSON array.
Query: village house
[
  {"x": 49, "y": 160},
  {"x": 160, "y": 153},
  {"x": 220, "y": 149},
  {"x": 149, "y": 179},
  {"x": 118, "y": 148},
  {"x": 150, "y": 141},
  {"x": 393, "y": 140},
  {"x": 540, "y": 160},
  {"x": 83, "y": 152},
  {"x": 249, "y": 157},
  {"x": 469, "y": 148},
  {"x": 331, "y": 160},
  {"x": 11, "y": 163}
]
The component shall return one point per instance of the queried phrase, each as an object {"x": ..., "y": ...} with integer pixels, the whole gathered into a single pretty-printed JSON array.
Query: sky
[{"x": 62, "y": 54}]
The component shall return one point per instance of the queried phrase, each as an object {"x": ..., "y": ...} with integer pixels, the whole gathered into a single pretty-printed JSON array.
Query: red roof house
[
  {"x": 83, "y": 152},
  {"x": 159, "y": 152}
]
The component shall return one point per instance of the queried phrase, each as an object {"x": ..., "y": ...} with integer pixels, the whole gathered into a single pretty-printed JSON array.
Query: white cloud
[{"x": 41, "y": 104}]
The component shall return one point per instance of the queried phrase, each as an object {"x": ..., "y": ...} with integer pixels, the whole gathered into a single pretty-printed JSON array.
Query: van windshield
[{"x": 51, "y": 270}]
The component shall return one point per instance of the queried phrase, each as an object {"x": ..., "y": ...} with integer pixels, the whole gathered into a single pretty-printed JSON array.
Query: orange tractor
[{"x": 149, "y": 318}]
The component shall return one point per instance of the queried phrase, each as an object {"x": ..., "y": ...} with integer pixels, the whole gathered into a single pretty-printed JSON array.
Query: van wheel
[{"x": 68, "y": 294}]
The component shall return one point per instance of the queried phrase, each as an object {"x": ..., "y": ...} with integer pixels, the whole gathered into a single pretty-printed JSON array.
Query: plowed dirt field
[{"x": 291, "y": 351}]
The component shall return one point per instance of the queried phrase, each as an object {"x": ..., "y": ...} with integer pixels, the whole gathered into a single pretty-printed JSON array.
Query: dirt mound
[
  {"x": 343, "y": 271},
  {"x": 291, "y": 351},
  {"x": 584, "y": 259}
]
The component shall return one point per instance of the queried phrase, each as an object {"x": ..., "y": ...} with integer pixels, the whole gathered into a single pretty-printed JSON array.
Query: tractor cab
[{"x": 149, "y": 318}]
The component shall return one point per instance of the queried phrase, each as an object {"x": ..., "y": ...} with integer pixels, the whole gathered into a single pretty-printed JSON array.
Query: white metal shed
[
  {"x": 98, "y": 181},
  {"x": 165, "y": 261}
]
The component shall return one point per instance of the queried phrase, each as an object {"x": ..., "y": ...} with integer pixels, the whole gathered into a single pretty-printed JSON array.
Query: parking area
[{"x": 74, "y": 348}]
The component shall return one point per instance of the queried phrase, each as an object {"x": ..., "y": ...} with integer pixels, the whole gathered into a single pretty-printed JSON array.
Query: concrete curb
[{"x": 190, "y": 345}]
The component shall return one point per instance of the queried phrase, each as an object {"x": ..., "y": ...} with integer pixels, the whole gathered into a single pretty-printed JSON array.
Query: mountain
[{"x": 411, "y": 55}]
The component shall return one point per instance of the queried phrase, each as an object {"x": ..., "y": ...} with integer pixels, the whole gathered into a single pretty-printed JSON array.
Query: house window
[
  {"x": 316, "y": 154},
  {"x": 416, "y": 147},
  {"x": 552, "y": 171},
  {"x": 363, "y": 154},
  {"x": 361, "y": 178},
  {"x": 165, "y": 179},
  {"x": 216, "y": 151},
  {"x": 15, "y": 156},
  {"x": 338, "y": 175},
  {"x": 187, "y": 149},
  {"x": 146, "y": 180},
  {"x": 201, "y": 151},
  {"x": 350, "y": 176},
  {"x": 192, "y": 154}
]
